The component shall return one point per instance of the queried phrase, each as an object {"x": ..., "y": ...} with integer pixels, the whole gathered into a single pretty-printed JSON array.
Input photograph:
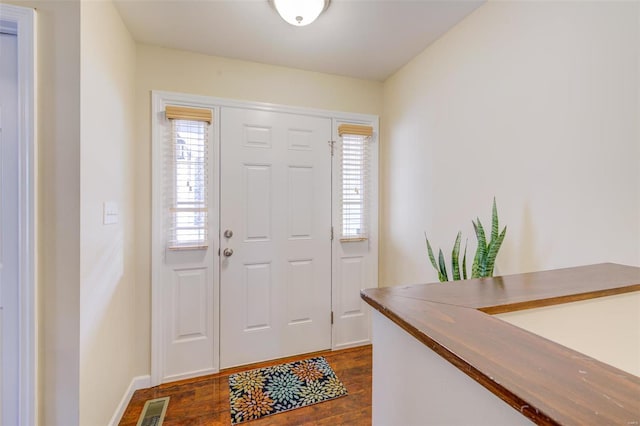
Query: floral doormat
[{"x": 271, "y": 390}]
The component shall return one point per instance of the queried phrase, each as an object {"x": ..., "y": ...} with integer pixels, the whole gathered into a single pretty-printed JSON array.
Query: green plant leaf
[
  {"x": 464, "y": 261},
  {"x": 482, "y": 241},
  {"x": 476, "y": 259},
  {"x": 493, "y": 252},
  {"x": 494, "y": 221},
  {"x": 479, "y": 261},
  {"x": 431, "y": 257},
  {"x": 455, "y": 255},
  {"x": 443, "y": 267}
]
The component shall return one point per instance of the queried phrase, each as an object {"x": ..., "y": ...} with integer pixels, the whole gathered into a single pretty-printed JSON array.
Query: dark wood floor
[{"x": 205, "y": 400}]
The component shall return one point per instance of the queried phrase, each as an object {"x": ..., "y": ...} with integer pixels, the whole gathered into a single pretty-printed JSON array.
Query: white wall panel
[
  {"x": 300, "y": 291},
  {"x": 352, "y": 279},
  {"x": 301, "y": 214},
  {"x": 257, "y": 137},
  {"x": 190, "y": 303},
  {"x": 300, "y": 140},
  {"x": 258, "y": 293},
  {"x": 258, "y": 201}
]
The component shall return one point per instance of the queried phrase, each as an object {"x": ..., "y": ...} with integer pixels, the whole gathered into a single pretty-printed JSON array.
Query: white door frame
[
  {"x": 21, "y": 22},
  {"x": 159, "y": 100}
]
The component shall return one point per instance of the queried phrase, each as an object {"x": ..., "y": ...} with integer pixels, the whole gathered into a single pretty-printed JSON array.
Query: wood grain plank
[{"x": 525, "y": 291}]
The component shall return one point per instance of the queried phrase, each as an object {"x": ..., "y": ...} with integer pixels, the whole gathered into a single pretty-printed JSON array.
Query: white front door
[
  {"x": 275, "y": 207},
  {"x": 9, "y": 221}
]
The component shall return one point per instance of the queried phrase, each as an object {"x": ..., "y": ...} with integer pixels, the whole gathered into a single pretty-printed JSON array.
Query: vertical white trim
[
  {"x": 638, "y": 127},
  {"x": 24, "y": 19},
  {"x": 214, "y": 202},
  {"x": 157, "y": 256}
]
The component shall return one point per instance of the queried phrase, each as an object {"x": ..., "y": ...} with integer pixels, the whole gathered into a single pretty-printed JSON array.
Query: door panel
[
  {"x": 187, "y": 277},
  {"x": 355, "y": 263},
  {"x": 276, "y": 199}
]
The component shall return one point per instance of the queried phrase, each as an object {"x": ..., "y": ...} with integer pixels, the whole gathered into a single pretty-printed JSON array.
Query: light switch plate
[{"x": 110, "y": 213}]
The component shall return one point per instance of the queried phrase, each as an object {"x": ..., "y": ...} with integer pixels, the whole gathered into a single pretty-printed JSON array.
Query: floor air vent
[{"x": 153, "y": 412}]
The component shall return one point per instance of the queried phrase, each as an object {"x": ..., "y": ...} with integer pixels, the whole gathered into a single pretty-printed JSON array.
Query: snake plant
[{"x": 484, "y": 259}]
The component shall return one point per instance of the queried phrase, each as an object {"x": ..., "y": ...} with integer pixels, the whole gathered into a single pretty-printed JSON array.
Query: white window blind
[
  {"x": 354, "y": 176},
  {"x": 187, "y": 171}
]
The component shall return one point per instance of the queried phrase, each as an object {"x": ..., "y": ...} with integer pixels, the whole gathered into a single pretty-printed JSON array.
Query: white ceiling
[{"x": 368, "y": 39}]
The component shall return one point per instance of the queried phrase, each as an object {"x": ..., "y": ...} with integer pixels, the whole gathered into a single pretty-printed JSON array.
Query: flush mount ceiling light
[{"x": 300, "y": 12}]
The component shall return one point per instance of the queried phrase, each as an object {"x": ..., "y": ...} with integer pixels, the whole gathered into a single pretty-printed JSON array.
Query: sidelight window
[
  {"x": 186, "y": 177},
  {"x": 354, "y": 176}
]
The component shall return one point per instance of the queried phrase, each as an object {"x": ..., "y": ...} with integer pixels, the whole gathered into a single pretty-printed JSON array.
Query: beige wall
[
  {"x": 65, "y": 140},
  {"x": 605, "y": 328},
  {"x": 58, "y": 212},
  {"x": 186, "y": 72},
  {"x": 107, "y": 292},
  {"x": 535, "y": 103}
]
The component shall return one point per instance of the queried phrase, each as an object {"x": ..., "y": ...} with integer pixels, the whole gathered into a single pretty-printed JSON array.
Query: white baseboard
[
  {"x": 190, "y": 375},
  {"x": 139, "y": 382},
  {"x": 349, "y": 345}
]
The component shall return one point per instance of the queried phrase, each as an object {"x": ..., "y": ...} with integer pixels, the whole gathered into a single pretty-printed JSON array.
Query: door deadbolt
[
  {"x": 228, "y": 233},
  {"x": 227, "y": 252}
]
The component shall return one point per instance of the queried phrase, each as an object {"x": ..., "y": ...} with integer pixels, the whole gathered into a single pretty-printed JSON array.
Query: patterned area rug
[{"x": 271, "y": 390}]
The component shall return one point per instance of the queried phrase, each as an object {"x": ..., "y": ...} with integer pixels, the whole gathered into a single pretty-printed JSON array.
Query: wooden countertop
[{"x": 545, "y": 381}]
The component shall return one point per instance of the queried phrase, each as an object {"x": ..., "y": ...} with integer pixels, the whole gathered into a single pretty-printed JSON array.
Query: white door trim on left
[{"x": 22, "y": 21}]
